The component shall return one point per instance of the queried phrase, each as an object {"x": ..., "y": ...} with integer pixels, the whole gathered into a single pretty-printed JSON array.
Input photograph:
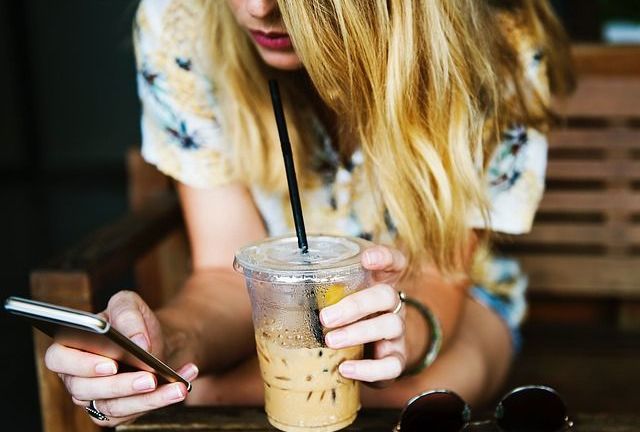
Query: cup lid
[{"x": 279, "y": 259}]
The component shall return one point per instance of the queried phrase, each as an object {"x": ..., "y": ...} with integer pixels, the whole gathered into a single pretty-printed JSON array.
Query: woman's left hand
[{"x": 367, "y": 317}]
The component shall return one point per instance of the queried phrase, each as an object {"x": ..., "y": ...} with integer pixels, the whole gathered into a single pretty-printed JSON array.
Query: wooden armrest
[
  {"x": 108, "y": 252},
  {"x": 73, "y": 279}
]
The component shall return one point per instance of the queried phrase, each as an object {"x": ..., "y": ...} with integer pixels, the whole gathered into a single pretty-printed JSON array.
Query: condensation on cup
[{"x": 303, "y": 389}]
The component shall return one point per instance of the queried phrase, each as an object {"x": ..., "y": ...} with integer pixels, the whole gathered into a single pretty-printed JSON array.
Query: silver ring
[
  {"x": 402, "y": 298},
  {"x": 95, "y": 412}
]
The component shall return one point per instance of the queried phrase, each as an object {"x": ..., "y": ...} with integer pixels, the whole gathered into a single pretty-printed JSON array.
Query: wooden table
[{"x": 201, "y": 419}]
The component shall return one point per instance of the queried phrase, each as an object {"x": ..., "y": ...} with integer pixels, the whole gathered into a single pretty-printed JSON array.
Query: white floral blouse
[{"x": 183, "y": 139}]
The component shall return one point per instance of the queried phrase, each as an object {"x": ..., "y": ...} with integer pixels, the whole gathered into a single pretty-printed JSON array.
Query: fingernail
[
  {"x": 140, "y": 340},
  {"x": 190, "y": 373},
  {"x": 174, "y": 393},
  {"x": 347, "y": 369},
  {"x": 372, "y": 257},
  {"x": 336, "y": 339},
  {"x": 330, "y": 315},
  {"x": 106, "y": 368},
  {"x": 144, "y": 383}
]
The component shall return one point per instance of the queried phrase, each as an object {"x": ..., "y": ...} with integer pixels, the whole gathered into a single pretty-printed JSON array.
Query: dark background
[{"x": 68, "y": 112}]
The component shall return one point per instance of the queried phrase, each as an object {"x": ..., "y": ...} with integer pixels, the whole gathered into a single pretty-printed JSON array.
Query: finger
[
  {"x": 126, "y": 317},
  {"x": 378, "y": 298},
  {"x": 82, "y": 403},
  {"x": 387, "y": 368},
  {"x": 384, "y": 348},
  {"x": 119, "y": 385},
  {"x": 126, "y": 406},
  {"x": 111, "y": 422},
  {"x": 70, "y": 361},
  {"x": 383, "y": 327},
  {"x": 384, "y": 258}
]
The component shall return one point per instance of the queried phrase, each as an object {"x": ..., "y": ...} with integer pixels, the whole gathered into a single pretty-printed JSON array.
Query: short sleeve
[
  {"x": 515, "y": 174},
  {"x": 514, "y": 181},
  {"x": 181, "y": 135}
]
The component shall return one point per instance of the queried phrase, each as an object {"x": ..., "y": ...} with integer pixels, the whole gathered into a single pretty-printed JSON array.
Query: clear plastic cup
[{"x": 303, "y": 389}]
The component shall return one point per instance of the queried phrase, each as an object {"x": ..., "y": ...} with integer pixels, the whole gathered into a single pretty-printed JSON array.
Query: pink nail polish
[
  {"x": 190, "y": 373},
  {"x": 336, "y": 339},
  {"x": 144, "y": 383},
  {"x": 174, "y": 393},
  {"x": 106, "y": 368},
  {"x": 347, "y": 369},
  {"x": 140, "y": 340},
  {"x": 372, "y": 257},
  {"x": 330, "y": 315}
]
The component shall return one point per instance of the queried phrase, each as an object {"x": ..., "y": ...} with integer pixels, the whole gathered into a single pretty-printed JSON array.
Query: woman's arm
[
  {"x": 209, "y": 321},
  {"x": 474, "y": 365},
  {"x": 476, "y": 351},
  {"x": 445, "y": 298},
  {"x": 473, "y": 362}
]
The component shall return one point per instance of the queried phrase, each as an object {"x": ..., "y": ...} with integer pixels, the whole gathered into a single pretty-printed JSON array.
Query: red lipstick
[{"x": 272, "y": 41}]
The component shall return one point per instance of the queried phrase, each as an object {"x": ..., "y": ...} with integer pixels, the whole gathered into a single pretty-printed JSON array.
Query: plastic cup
[{"x": 304, "y": 390}]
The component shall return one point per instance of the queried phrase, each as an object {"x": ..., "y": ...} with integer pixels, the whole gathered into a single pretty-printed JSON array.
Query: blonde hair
[{"x": 415, "y": 83}]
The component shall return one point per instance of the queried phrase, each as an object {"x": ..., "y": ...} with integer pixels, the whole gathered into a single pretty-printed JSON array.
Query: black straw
[{"x": 294, "y": 195}]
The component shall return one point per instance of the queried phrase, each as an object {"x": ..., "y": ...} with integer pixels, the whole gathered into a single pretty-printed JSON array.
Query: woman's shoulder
[
  {"x": 171, "y": 54},
  {"x": 521, "y": 37},
  {"x": 176, "y": 22},
  {"x": 180, "y": 131}
]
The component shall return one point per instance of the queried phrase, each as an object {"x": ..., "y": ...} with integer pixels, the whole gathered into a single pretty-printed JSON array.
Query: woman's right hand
[{"x": 120, "y": 396}]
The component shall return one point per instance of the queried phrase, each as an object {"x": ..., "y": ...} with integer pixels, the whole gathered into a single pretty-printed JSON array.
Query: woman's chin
[{"x": 284, "y": 60}]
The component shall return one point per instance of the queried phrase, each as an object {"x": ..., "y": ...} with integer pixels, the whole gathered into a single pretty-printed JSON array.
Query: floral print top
[{"x": 183, "y": 139}]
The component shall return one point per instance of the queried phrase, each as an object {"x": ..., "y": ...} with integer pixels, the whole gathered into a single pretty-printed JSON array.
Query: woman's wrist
[{"x": 179, "y": 341}]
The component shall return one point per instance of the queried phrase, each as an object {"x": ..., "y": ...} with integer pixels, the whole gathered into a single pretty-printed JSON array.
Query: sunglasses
[{"x": 524, "y": 409}]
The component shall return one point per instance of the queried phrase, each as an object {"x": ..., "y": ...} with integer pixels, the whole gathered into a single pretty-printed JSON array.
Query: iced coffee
[{"x": 304, "y": 390}]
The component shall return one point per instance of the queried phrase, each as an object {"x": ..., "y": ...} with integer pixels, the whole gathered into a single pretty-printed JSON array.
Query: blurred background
[{"x": 68, "y": 113}]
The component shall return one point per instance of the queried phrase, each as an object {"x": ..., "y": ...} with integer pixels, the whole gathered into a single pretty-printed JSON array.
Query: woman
[{"x": 416, "y": 124}]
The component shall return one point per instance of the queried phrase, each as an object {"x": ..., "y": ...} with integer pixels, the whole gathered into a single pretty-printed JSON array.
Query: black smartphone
[{"x": 91, "y": 333}]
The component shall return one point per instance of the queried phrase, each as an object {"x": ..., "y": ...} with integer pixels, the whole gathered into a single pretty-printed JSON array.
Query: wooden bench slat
[
  {"x": 608, "y": 60},
  {"x": 580, "y": 275},
  {"x": 603, "y": 97},
  {"x": 591, "y": 201},
  {"x": 596, "y": 139},
  {"x": 598, "y": 170},
  {"x": 633, "y": 234},
  {"x": 552, "y": 233},
  {"x": 581, "y": 234}
]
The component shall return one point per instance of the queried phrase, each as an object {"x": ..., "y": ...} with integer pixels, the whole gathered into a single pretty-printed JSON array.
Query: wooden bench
[
  {"x": 585, "y": 243},
  {"x": 582, "y": 255}
]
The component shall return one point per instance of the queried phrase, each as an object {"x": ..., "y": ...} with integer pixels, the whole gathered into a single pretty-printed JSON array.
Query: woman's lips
[{"x": 272, "y": 41}]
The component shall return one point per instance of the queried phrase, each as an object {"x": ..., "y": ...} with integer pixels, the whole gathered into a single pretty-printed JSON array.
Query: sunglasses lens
[
  {"x": 531, "y": 409},
  {"x": 436, "y": 411}
]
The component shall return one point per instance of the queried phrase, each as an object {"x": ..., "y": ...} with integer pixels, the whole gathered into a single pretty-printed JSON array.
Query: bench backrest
[{"x": 586, "y": 237}]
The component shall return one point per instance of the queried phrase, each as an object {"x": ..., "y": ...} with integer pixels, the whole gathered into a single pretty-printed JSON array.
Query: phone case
[{"x": 91, "y": 333}]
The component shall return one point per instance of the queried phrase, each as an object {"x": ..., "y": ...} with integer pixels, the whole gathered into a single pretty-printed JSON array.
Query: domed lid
[{"x": 278, "y": 259}]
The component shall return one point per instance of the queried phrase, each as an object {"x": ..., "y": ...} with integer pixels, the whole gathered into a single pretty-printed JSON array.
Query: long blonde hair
[{"x": 415, "y": 83}]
